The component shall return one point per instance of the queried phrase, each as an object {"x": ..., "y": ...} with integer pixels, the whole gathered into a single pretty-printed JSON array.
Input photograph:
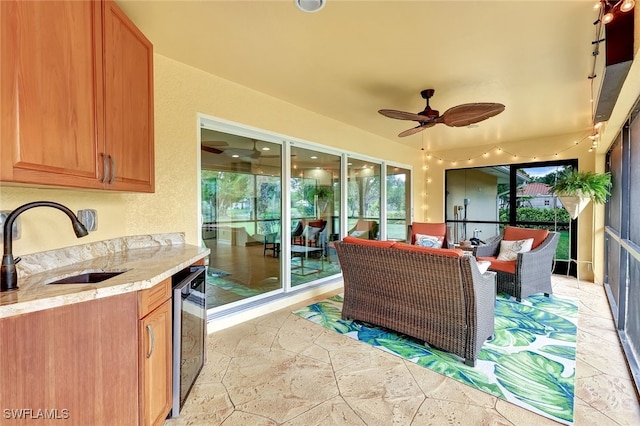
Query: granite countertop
[{"x": 148, "y": 259}]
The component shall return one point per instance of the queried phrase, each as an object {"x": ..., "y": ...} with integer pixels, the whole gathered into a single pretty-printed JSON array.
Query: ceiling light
[
  {"x": 310, "y": 5},
  {"x": 235, "y": 156},
  {"x": 627, "y": 5},
  {"x": 314, "y": 157},
  {"x": 609, "y": 9},
  {"x": 266, "y": 148}
]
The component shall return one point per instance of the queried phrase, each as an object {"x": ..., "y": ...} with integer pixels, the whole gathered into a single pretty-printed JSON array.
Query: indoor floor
[
  {"x": 239, "y": 272},
  {"x": 294, "y": 372}
]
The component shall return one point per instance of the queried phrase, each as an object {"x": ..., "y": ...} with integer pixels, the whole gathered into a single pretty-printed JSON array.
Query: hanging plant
[{"x": 584, "y": 184}]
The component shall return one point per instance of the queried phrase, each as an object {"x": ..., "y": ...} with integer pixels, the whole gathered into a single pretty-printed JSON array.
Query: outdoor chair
[
  {"x": 529, "y": 272},
  {"x": 436, "y": 230},
  {"x": 365, "y": 229},
  {"x": 307, "y": 232},
  {"x": 272, "y": 242}
]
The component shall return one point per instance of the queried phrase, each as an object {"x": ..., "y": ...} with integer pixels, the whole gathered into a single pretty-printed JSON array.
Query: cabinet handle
[
  {"x": 152, "y": 338},
  {"x": 113, "y": 169},
  {"x": 105, "y": 168}
]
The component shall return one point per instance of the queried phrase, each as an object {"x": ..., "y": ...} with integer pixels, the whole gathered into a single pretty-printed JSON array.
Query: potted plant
[{"x": 576, "y": 188}]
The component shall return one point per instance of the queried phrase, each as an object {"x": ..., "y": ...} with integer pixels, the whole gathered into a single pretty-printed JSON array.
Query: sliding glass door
[
  {"x": 398, "y": 205},
  {"x": 315, "y": 214},
  {"x": 241, "y": 193},
  {"x": 273, "y": 208},
  {"x": 363, "y": 199}
]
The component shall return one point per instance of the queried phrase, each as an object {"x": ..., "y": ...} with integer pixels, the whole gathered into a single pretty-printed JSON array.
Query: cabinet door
[
  {"x": 128, "y": 102},
  {"x": 79, "y": 360},
  {"x": 50, "y": 93},
  {"x": 155, "y": 362}
]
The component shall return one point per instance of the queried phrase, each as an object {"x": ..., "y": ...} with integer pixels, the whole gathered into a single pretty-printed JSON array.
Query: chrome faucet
[{"x": 8, "y": 275}]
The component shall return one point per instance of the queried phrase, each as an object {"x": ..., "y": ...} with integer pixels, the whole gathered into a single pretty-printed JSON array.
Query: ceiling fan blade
[
  {"x": 416, "y": 129},
  {"x": 466, "y": 114},
  {"x": 211, "y": 149},
  {"x": 215, "y": 143},
  {"x": 403, "y": 115}
]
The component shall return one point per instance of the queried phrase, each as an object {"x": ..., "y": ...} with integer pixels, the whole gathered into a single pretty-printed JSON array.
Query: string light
[{"x": 499, "y": 150}]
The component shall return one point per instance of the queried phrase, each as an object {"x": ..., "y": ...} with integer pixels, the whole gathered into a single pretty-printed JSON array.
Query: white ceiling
[{"x": 355, "y": 57}]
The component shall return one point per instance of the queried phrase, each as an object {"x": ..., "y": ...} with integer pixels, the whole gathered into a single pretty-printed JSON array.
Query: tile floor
[{"x": 280, "y": 369}]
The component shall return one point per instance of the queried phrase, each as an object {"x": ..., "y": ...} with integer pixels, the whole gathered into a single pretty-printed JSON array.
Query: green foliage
[
  {"x": 532, "y": 214},
  {"x": 584, "y": 183}
]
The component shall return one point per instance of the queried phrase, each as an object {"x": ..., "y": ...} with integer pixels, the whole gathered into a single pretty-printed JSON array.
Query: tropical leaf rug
[{"x": 530, "y": 362}]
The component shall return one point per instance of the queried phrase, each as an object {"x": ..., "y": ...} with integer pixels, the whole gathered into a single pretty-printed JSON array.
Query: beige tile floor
[{"x": 280, "y": 369}]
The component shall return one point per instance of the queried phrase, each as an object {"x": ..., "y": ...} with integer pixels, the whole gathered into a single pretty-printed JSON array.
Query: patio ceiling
[{"x": 355, "y": 57}]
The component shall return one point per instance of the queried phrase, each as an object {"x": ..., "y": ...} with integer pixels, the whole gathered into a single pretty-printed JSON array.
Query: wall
[{"x": 181, "y": 92}]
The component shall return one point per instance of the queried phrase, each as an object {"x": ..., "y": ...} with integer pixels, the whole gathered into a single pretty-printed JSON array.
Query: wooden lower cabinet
[
  {"x": 77, "y": 362},
  {"x": 101, "y": 362},
  {"x": 155, "y": 365}
]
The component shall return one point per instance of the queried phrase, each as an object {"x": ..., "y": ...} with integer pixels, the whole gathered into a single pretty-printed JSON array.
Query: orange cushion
[
  {"x": 440, "y": 251},
  {"x": 500, "y": 265},
  {"x": 317, "y": 223},
  {"x": 371, "y": 243},
  {"x": 512, "y": 233},
  {"x": 433, "y": 229}
]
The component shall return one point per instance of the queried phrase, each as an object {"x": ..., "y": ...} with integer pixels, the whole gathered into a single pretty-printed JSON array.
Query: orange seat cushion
[
  {"x": 513, "y": 233},
  {"x": 371, "y": 243},
  {"x": 431, "y": 250},
  {"x": 433, "y": 229},
  {"x": 500, "y": 265}
]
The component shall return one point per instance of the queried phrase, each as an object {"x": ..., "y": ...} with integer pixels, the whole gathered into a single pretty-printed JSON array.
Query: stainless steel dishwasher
[{"x": 189, "y": 330}]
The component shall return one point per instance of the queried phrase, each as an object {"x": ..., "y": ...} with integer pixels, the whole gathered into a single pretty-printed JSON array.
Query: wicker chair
[
  {"x": 433, "y": 229},
  {"x": 531, "y": 272},
  {"x": 435, "y": 295}
]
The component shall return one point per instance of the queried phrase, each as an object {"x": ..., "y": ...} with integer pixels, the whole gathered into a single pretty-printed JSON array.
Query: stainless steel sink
[{"x": 89, "y": 277}]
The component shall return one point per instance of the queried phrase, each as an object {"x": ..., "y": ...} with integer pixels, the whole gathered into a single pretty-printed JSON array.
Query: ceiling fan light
[
  {"x": 310, "y": 5},
  {"x": 627, "y": 5},
  {"x": 608, "y": 17}
]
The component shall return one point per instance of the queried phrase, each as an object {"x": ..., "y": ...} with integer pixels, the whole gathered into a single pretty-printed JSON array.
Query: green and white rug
[{"x": 530, "y": 362}]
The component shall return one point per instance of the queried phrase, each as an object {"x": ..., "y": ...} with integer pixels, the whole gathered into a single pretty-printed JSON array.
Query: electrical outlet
[
  {"x": 16, "y": 225},
  {"x": 89, "y": 218}
]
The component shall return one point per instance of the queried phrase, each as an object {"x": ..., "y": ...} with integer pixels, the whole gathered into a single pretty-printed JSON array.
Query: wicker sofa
[{"x": 435, "y": 295}]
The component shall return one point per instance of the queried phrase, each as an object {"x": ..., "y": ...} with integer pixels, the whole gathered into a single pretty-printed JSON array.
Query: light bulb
[
  {"x": 608, "y": 17},
  {"x": 627, "y": 5}
]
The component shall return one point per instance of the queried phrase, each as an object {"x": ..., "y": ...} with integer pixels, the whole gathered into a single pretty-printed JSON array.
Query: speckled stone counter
[{"x": 147, "y": 259}]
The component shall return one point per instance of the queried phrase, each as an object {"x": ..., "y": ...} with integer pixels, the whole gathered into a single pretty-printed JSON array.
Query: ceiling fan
[{"x": 457, "y": 116}]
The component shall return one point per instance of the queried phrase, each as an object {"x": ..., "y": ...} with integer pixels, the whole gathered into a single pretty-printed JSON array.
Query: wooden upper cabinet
[
  {"x": 128, "y": 59},
  {"x": 76, "y": 96},
  {"x": 50, "y": 97}
]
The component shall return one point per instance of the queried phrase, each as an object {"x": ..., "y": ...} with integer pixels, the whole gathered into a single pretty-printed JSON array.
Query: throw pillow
[
  {"x": 483, "y": 265},
  {"x": 429, "y": 241},
  {"x": 310, "y": 233},
  {"x": 509, "y": 249}
]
